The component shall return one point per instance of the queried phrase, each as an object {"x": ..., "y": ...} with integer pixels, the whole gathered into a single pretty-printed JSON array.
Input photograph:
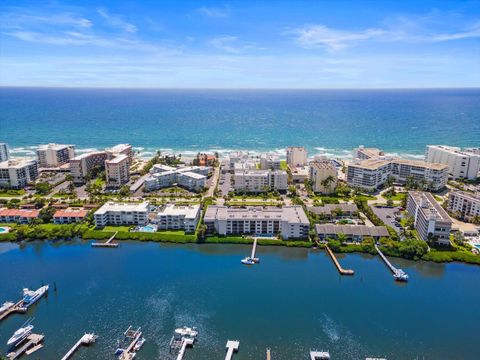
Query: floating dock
[
  {"x": 319, "y": 355},
  {"x": 232, "y": 346},
  {"x": 16, "y": 308},
  {"x": 86, "y": 339},
  {"x": 108, "y": 243},
  {"x": 185, "y": 342},
  {"x": 133, "y": 336},
  {"x": 398, "y": 274},
  {"x": 29, "y": 345},
  {"x": 341, "y": 270}
]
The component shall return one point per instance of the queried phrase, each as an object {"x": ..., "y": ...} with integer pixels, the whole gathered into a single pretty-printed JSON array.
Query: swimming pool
[
  {"x": 4, "y": 230},
  {"x": 148, "y": 228}
]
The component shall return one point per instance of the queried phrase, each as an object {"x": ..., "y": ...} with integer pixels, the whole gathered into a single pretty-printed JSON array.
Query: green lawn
[
  {"x": 283, "y": 165},
  {"x": 10, "y": 193},
  {"x": 116, "y": 228},
  {"x": 397, "y": 197}
]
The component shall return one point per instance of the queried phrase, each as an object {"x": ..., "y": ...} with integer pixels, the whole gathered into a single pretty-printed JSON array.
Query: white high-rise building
[
  {"x": 117, "y": 171},
  {"x": 363, "y": 153},
  {"x": 4, "y": 152},
  {"x": 461, "y": 164},
  {"x": 82, "y": 165},
  {"x": 17, "y": 173},
  {"x": 467, "y": 205},
  {"x": 319, "y": 172},
  {"x": 54, "y": 155},
  {"x": 296, "y": 156},
  {"x": 121, "y": 149}
]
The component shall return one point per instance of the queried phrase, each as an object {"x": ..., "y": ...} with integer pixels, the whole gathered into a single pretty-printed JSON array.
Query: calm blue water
[
  {"x": 292, "y": 302},
  {"x": 400, "y": 121}
]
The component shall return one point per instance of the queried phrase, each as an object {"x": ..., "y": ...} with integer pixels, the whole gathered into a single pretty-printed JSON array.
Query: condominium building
[
  {"x": 54, "y": 155},
  {"x": 465, "y": 204},
  {"x": 20, "y": 216},
  {"x": 173, "y": 217},
  {"x": 235, "y": 157},
  {"x": 191, "y": 177},
  {"x": 430, "y": 219},
  {"x": 121, "y": 149},
  {"x": 117, "y": 171},
  {"x": 256, "y": 181},
  {"x": 372, "y": 173},
  {"x": 81, "y": 166},
  {"x": 269, "y": 162},
  {"x": 363, "y": 153},
  {"x": 290, "y": 222},
  {"x": 335, "y": 211},
  {"x": 461, "y": 164},
  {"x": 4, "y": 152},
  {"x": 296, "y": 156},
  {"x": 323, "y": 175},
  {"x": 351, "y": 232},
  {"x": 17, "y": 173},
  {"x": 113, "y": 213},
  {"x": 69, "y": 216}
]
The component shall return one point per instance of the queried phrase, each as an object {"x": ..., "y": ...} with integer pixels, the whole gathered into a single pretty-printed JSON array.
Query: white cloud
[
  {"x": 117, "y": 21},
  {"x": 229, "y": 44},
  {"x": 214, "y": 12}
]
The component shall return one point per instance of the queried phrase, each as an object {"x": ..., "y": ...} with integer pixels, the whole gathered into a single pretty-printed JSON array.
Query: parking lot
[
  {"x": 387, "y": 215},
  {"x": 224, "y": 184}
]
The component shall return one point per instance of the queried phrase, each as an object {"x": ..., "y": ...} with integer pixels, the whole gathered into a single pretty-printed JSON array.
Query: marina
[
  {"x": 85, "y": 340},
  {"x": 341, "y": 270},
  {"x": 182, "y": 338},
  {"x": 130, "y": 339},
  {"x": 398, "y": 274},
  {"x": 32, "y": 343},
  {"x": 106, "y": 244},
  {"x": 29, "y": 298}
]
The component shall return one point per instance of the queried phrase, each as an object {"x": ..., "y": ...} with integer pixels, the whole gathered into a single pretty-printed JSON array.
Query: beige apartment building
[
  {"x": 117, "y": 171},
  {"x": 320, "y": 171}
]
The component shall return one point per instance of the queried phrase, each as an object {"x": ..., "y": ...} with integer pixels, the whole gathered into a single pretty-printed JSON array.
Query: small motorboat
[
  {"x": 6, "y": 305},
  {"x": 119, "y": 351},
  {"x": 139, "y": 344},
  {"x": 247, "y": 261},
  {"x": 21, "y": 334},
  {"x": 187, "y": 332}
]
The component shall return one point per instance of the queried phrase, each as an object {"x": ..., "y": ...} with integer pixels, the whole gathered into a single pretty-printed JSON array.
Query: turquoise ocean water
[{"x": 325, "y": 121}]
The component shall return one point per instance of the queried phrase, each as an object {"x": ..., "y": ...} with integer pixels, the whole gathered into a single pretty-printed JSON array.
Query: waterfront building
[
  {"x": 4, "y": 152},
  {"x": 363, "y": 153},
  {"x": 82, "y": 165},
  {"x": 117, "y": 171},
  {"x": 121, "y": 149},
  {"x": 337, "y": 211},
  {"x": 296, "y": 156},
  {"x": 372, "y": 173},
  {"x": 16, "y": 173},
  {"x": 54, "y": 155},
  {"x": 430, "y": 219},
  {"x": 173, "y": 217},
  {"x": 20, "y": 216},
  {"x": 256, "y": 181},
  {"x": 466, "y": 205},
  {"x": 461, "y": 164},
  {"x": 69, "y": 216},
  {"x": 190, "y": 177},
  {"x": 354, "y": 233},
  {"x": 299, "y": 173},
  {"x": 235, "y": 157},
  {"x": 320, "y": 171},
  {"x": 290, "y": 222},
  {"x": 269, "y": 162},
  {"x": 114, "y": 213}
]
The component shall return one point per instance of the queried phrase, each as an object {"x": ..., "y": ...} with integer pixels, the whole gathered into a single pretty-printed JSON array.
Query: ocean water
[
  {"x": 331, "y": 122},
  {"x": 293, "y": 301}
]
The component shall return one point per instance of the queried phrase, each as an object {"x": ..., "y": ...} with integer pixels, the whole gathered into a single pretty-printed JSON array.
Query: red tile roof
[
  {"x": 77, "y": 213},
  {"x": 20, "y": 212}
]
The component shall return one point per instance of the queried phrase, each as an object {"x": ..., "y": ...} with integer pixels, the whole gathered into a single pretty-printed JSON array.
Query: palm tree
[{"x": 327, "y": 181}]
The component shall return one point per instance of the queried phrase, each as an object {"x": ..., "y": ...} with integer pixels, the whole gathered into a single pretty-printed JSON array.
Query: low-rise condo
[
  {"x": 290, "y": 222},
  {"x": 114, "y": 213},
  {"x": 69, "y": 216},
  {"x": 190, "y": 177},
  {"x": 257, "y": 181},
  {"x": 350, "y": 232},
  {"x": 430, "y": 220},
  {"x": 175, "y": 217},
  {"x": 20, "y": 216}
]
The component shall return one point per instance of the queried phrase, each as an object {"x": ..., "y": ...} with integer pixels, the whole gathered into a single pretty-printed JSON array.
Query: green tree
[
  {"x": 46, "y": 214},
  {"x": 42, "y": 188}
]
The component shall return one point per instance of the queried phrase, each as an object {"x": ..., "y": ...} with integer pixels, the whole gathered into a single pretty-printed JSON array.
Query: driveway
[{"x": 387, "y": 215}]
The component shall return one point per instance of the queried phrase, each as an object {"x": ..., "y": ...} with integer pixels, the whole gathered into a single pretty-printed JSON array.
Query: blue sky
[{"x": 240, "y": 44}]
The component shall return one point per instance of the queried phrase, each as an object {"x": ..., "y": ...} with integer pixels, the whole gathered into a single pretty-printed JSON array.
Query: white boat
[
  {"x": 20, "y": 335},
  {"x": 30, "y": 297},
  {"x": 400, "y": 275},
  {"x": 187, "y": 332},
  {"x": 139, "y": 344},
  {"x": 247, "y": 261},
  {"x": 6, "y": 305}
]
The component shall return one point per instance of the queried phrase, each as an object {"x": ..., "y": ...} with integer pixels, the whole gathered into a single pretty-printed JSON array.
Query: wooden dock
[
  {"x": 17, "y": 308},
  {"x": 398, "y": 274},
  {"x": 232, "y": 346},
  {"x": 86, "y": 339},
  {"x": 341, "y": 270},
  {"x": 31, "y": 344},
  {"x": 134, "y": 336},
  {"x": 268, "y": 354},
  {"x": 108, "y": 243},
  {"x": 185, "y": 342}
]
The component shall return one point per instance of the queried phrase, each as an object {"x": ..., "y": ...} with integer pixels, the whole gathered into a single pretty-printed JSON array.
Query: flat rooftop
[
  {"x": 429, "y": 206},
  {"x": 122, "y": 207},
  {"x": 190, "y": 211},
  {"x": 352, "y": 230},
  {"x": 118, "y": 159},
  {"x": 292, "y": 214}
]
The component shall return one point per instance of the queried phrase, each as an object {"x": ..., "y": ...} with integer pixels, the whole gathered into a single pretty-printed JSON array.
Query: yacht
[
  {"x": 30, "y": 297},
  {"x": 187, "y": 332},
  {"x": 6, "y": 305},
  {"x": 247, "y": 261},
  {"x": 19, "y": 335},
  {"x": 400, "y": 275},
  {"x": 139, "y": 344}
]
